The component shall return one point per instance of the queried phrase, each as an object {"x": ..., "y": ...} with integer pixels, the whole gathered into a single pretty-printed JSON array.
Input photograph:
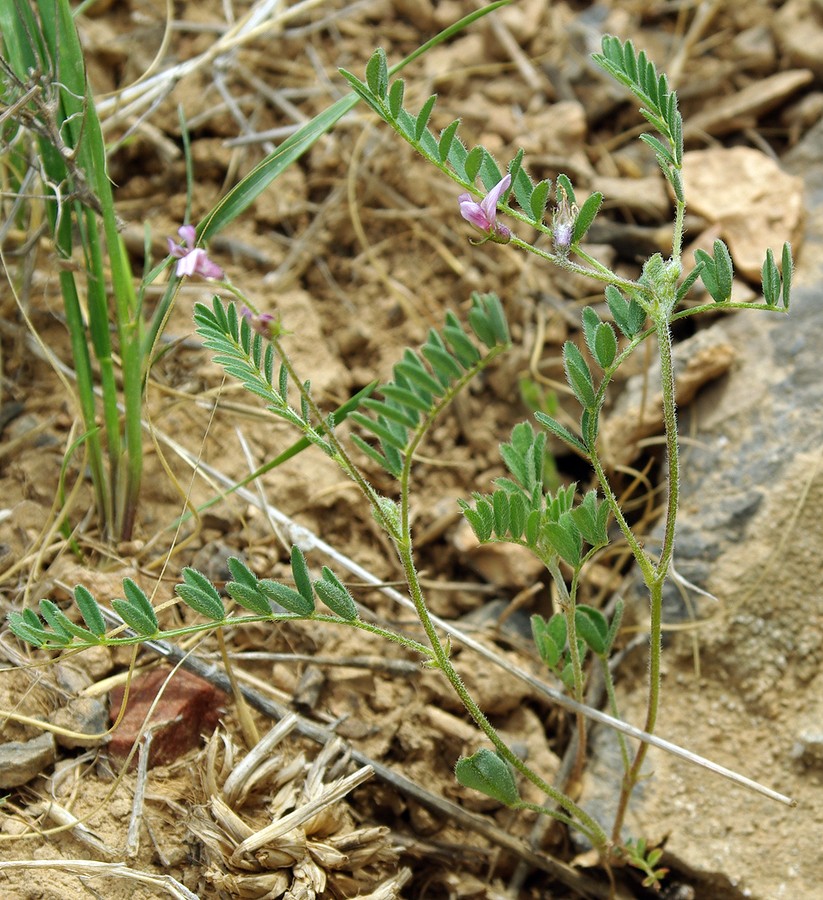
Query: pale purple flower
[
  {"x": 483, "y": 215},
  {"x": 192, "y": 260},
  {"x": 265, "y": 324}
]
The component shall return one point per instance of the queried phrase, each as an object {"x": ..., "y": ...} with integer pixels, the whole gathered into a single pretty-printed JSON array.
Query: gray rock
[
  {"x": 809, "y": 749},
  {"x": 20, "y": 761},
  {"x": 750, "y": 534},
  {"x": 84, "y": 716}
]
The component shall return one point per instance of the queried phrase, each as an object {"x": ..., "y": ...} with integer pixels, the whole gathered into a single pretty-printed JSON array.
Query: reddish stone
[{"x": 188, "y": 708}]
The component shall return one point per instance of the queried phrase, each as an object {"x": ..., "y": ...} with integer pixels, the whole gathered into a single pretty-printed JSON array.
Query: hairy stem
[
  {"x": 598, "y": 274},
  {"x": 342, "y": 457},
  {"x": 608, "y": 681},
  {"x": 660, "y": 570},
  {"x": 583, "y": 821},
  {"x": 677, "y": 234},
  {"x": 568, "y": 605}
]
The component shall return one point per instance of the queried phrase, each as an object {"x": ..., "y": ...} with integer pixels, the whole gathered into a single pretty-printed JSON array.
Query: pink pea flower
[
  {"x": 192, "y": 260},
  {"x": 264, "y": 324},
  {"x": 483, "y": 215}
]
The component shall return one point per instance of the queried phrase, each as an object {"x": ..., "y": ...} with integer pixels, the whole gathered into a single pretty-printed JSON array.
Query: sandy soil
[{"x": 360, "y": 248}]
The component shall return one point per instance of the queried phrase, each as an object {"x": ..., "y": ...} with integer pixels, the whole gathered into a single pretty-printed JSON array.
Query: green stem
[
  {"x": 677, "y": 235},
  {"x": 441, "y": 660},
  {"x": 563, "y": 262},
  {"x": 438, "y": 652},
  {"x": 728, "y": 306},
  {"x": 568, "y": 605},
  {"x": 298, "y": 446},
  {"x": 583, "y": 821},
  {"x": 341, "y": 456},
  {"x": 608, "y": 680},
  {"x": 632, "y": 776},
  {"x": 175, "y": 634},
  {"x": 667, "y": 379},
  {"x": 644, "y": 563},
  {"x": 661, "y": 568}
]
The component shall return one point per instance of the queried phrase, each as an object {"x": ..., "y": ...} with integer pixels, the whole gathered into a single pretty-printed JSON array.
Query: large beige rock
[{"x": 753, "y": 201}]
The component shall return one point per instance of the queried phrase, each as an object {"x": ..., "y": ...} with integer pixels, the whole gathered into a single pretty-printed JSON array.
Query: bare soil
[{"x": 360, "y": 249}]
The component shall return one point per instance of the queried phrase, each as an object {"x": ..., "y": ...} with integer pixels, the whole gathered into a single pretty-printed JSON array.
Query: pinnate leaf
[
  {"x": 459, "y": 341},
  {"x": 200, "y": 601},
  {"x": 200, "y": 594},
  {"x": 135, "y": 617},
  {"x": 565, "y": 539},
  {"x": 787, "y": 271},
  {"x": 481, "y": 518},
  {"x": 539, "y": 200},
  {"x": 446, "y": 140},
  {"x": 724, "y": 269},
  {"x": 770, "y": 279},
  {"x": 249, "y": 597},
  {"x": 522, "y": 185},
  {"x": 23, "y": 628},
  {"x": 423, "y": 117},
  {"x": 490, "y": 173},
  {"x": 590, "y": 517},
  {"x": 605, "y": 345},
  {"x": 487, "y": 315},
  {"x": 240, "y": 572},
  {"x": 500, "y": 508},
  {"x": 57, "y": 620},
  {"x": 629, "y": 316},
  {"x": 549, "y": 638},
  {"x": 592, "y": 626},
  {"x": 564, "y": 185},
  {"x": 396, "y": 92},
  {"x": 661, "y": 151},
  {"x": 474, "y": 159},
  {"x": 300, "y": 573}
]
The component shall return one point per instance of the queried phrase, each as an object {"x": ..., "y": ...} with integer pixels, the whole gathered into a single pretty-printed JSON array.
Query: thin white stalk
[
  {"x": 92, "y": 868},
  {"x": 261, "y": 20}
]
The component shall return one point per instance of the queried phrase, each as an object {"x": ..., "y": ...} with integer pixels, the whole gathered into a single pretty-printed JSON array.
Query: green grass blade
[{"x": 128, "y": 319}]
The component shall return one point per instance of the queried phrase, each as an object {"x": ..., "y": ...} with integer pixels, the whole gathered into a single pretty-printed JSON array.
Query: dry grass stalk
[{"x": 92, "y": 868}]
